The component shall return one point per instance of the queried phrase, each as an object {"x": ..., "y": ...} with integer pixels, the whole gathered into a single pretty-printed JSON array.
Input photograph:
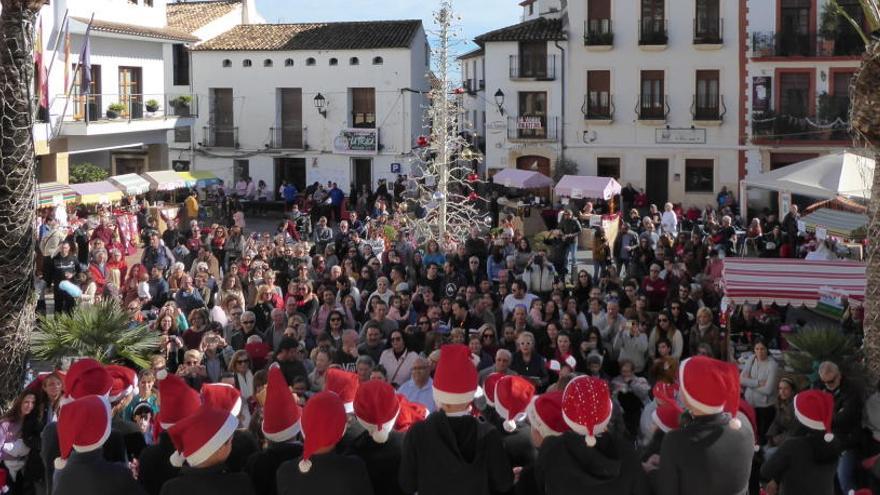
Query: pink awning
[
  {"x": 797, "y": 282},
  {"x": 522, "y": 179},
  {"x": 587, "y": 186}
]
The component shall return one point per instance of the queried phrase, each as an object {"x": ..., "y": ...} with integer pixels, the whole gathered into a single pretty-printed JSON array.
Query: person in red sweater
[{"x": 655, "y": 289}]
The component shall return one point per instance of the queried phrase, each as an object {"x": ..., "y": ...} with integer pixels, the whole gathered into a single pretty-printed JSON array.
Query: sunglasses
[
  {"x": 335, "y": 319},
  {"x": 243, "y": 361}
]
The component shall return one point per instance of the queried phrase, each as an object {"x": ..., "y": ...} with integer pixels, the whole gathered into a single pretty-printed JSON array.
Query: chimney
[{"x": 248, "y": 11}]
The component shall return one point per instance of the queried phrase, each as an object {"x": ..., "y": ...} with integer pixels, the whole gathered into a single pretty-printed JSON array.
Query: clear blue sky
[{"x": 477, "y": 16}]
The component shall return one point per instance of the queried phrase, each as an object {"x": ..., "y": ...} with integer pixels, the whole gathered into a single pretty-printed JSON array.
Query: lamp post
[
  {"x": 321, "y": 105},
  {"x": 499, "y": 101}
]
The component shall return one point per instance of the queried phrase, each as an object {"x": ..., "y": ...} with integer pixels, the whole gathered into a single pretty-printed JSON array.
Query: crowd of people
[{"x": 337, "y": 354}]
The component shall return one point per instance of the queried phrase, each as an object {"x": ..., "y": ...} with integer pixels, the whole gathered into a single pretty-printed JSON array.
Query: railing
[
  {"x": 652, "y": 107},
  {"x": 770, "y": 126},
  {"x": 533, "y": 67},
  {"x": 363, "y": 120},
  {"x": 220, "y": 137},
  {"x": 704, "y": 108},
  {"x": 533, "y": 127},
  {"x": 287, "y": 137},
  {"x": 91, "y": 108},
  {"x": 598, "y": 32},
  {"x": 786, "y": 44},
  {"x": 708, "y": 31},
  {"x": 598, "y": 110},
  {"x": 653, "y": 32},
  {"x": 470, "y": 86},
  {"x": 482, "y": 84}
]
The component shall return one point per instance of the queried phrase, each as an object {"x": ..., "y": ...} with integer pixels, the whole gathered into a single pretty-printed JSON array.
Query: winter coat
[
  {"x": 154, "y": 465},
  {"x": 208, "y": 481},
  {"x": 804, "y": 464},
  {"x": 517, "y": 444},
  {"x": 331, "y": 474},
  {"x": 244, "y": 444},
  {"x": 382, "y": 461},
  {"x": 90, "y": 473},
  {"x": 262, "y": 466}
]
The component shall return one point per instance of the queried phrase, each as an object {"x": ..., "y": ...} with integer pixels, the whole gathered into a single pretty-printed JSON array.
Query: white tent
[{"x": 838, "y": 174}]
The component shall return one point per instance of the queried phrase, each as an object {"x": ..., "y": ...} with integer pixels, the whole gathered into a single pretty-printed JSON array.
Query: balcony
[
  {"x": 538, "y": 67},
  {"x": 220, "y": 137},
  {"x": 102, "y": 114},
  {"x": 533, "y": 128},
  {"x": 653, "y": 34},
  {"x": 830, "y": 125},
  {"x": 598, "y": 110},
  {"x": 652, "y": 108},
  {"x": 287, "y": 137},
  {"x": 598, "y": 34},
  {"x": 708, "y": 33},
  {"x": 771, "y": 44},
  {"x": 707, "y": 110}
]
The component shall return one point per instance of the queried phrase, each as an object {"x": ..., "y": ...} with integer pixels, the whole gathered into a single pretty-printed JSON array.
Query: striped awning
[
  {"x": 202, "y": 178},
  {"x": 838, "y": 223},
  {"x": 54, "y": 193},
  {"x": 130, "y": 184},
  {"x": 97, "y": 192},
  {"x": 164, "y": 180},
  {"x": 797, "y": 282}
]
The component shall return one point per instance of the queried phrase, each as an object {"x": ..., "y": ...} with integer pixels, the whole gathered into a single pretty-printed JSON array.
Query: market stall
[
  {"x": 54, "y": 194},
  {"x": 164, "y": 180},
  {"x": 130, "y": 184},
  {"x": 521, "y": 179},
  {"x": 200, "y": 178},
  {"x": 837, "y": 223},
  {"x": 100, "y": 192},
  {"x": 527, "y": 206},
  {"x": 590, "y": 186}
]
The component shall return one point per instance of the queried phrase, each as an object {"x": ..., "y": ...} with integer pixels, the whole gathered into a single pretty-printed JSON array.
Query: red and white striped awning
[{"x": 791, "y": 281}]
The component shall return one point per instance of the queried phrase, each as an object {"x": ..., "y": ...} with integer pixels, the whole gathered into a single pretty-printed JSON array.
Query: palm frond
[{"x": 810, "y": 347}]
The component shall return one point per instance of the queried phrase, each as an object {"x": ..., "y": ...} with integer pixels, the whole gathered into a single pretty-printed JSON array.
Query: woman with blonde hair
[{"x": 240, "y": 367}]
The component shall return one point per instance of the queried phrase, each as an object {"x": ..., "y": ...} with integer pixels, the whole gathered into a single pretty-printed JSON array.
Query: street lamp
[
  {"x": 321, "y": 104},
  {"x": 499, "y": 100}
]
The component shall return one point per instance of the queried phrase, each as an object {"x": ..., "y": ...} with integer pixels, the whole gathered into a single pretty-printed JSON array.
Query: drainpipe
[{"x": 562, "y": 112}]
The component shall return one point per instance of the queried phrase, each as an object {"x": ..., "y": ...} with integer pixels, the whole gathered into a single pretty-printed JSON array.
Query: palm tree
[
  {"x": 865, "y": 122},
  {"x": 17, "y": 188},
  {"x": 103, "y": 331}
]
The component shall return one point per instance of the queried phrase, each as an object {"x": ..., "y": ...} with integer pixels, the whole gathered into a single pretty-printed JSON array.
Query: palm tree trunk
[
  {"x": 871, "y": 323},
  {"x": 17, "y": 189}
]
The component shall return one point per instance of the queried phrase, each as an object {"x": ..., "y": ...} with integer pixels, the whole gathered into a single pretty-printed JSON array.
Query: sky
[{"x": 477, "y": 16}]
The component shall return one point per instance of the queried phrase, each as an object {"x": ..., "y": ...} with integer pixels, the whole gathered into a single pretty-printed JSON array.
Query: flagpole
[
  {"x": 64, "y": 22},
  {"x": 69, "y": 89}
]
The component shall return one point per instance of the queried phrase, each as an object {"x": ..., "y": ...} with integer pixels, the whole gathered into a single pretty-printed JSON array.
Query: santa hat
[
  {"x": 667, "y": 415},
  {"x": 410, "y": 413},
  {"x": 556, "y": 365},
  {"x": 178, "y": 399},
  {"x": 815, "y": 409},
  {"x": 344, "y": 384},
  {"x": 545, "y": 414},
  {"x": 125, "y": 382},
  {"x": 455, "y": 379},
  {"x": 86, "y": 377},
  {"x": 748, "y": 411},
  {"x": 512, "y": 396},
  {"x": 710, "y": 386},
  {"x": 489, "y": 386},
  {"x": 281, "y": 413},
  {"x": 4, "y": 484},
  {"x": 323, "y": 421},
  {"x": 861, "y": 491},
  {"x": 222, "y": 396},
  {"x": 83, "y": 425},
  {"x": 376, "y": 408},
  {"x": 37, "y": 383},
  {"x": 199, "y": 436},
  {"x": 665, "y": 392},
  {"x": 586, "y": 407}
]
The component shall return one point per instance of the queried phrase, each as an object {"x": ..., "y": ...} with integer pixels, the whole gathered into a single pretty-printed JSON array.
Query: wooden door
[{"x": 131, "y": 92}]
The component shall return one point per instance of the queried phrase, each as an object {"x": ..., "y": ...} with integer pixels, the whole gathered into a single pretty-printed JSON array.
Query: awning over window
[
  {"x": 97, "y": 192},
  {"x": 54, "y": 193},
  {"x": 130, "y": 184}
]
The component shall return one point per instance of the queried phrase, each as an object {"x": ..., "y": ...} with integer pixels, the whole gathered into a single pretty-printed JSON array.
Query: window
[
  {"x": 598, "y": 18},
  {"x": 599, "y": 94},
  {"x": 334, "y": 61},
  {"x": 240, "y": 170},
  {"x": 532, "y": 120},
  {"x": 221, "y": 130},
  {"x": 310, "y": 61},
  {"x": 88, "y": 100},
  {"x": 706, "y": 103},
  {"x": 653, "y": 23},
  {"x": 652, "y": 103},
  {"x": 707, "y": 25},
  {"x": 288, "y": 62},
  {"x": 794, "y": 28},
  {"x": 183, "y": 134},
  {"x": 699, "y": 175},
  {"x": 533, "y": 59},
  {"x": 608, "y": 167},
  {"x": 246, "y": 63},
  {"x": 131, "y": 92},
  {"x": 180, "y": 165},
  {"x": 289, "y": 115},
  {"x": 354, "y": 61},
  {"x": 180, "y": 63},
  {"x": 363, "y": 107},
  {"x": 531, "y": 8},
  {"x": 378, "y": 61},
  {"x": 267, "y": 62},
  {"x": 227, "y": 63},
  {"x": 794, "y": 94},
  {"x": 148, "y": 3}
]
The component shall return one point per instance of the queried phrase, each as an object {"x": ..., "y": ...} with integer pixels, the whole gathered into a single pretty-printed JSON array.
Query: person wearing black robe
[
  {"x": 804, "y": 464},
  {"x": 262, "y": 466},
  {"x": 90, "y": 472},
  {"x": 382, "y": 460},
  {"x": 154, "y": 465},
  {"x": 517, "y": 444},
  {"x": 244, "y": 445},
  {"x": 211, "y": 480}
]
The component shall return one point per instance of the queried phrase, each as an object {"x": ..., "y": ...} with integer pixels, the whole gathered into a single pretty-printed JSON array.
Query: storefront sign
[
  {"x": 357, "y": 142},
  {"x": 395, "y": 168},
  {"x": 680, "y": 136},
  {"x": 529, "y": 122}
]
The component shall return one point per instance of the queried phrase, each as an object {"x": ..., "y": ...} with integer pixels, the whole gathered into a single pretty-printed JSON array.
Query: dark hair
[
  {"x": 13, "y": 414},
  {"x": 288, "y": 343}
]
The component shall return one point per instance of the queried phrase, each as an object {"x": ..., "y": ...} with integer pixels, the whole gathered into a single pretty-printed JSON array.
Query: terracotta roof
[
  {"x": 142, "y": 31},
  {"x": 471, "y": 54},
  {"x": 540, "y": 29},
  {"x": 191, "y": 16},
  {"x": 317, "y": 36}
]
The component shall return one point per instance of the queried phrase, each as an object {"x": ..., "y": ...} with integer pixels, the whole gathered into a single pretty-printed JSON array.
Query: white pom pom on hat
[{"x": 305, "y": 466}]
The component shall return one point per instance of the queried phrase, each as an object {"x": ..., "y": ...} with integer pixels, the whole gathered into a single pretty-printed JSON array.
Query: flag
[
  {"x": 85, "y": 61},
  {"x": 67, "y": 55},
  {"x": 42, "y": 74}
]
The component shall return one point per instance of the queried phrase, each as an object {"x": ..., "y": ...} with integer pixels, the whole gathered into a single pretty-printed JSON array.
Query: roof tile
[
  {"x": 133, "y": 30},
  {"x": 317, "y": 36},
  {"x": 192, "y": 16},
  {"x": 540, "y": 29}
]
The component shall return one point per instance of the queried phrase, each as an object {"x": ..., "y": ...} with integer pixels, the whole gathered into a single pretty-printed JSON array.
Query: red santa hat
[
  {"x": 222, "y": 396},
  {"x": 178, "y": 399},
  {"x": 815, "y": 409},
  {"x": 489, "y": 386},
  {"x": 586, "y": 407},
  {"x": 281, "y": 413},
  {"x": 197, "y": 437},
  {"x": 83, "y": 425},
  {"x": 86, "y": 377},
  {"x": 125, "y": 382},
  {"x": 410, "y": 414},
  {"x": 665, "y": 392},
  {"x": 323, "y": 421},
  {"x": 344, "y": 384},
  {"x": 512, "y": 396},
  {"x": 556, "y": 365},
  {"x": 4, "y": 484},
  {"x": 667, "y": 416},
  {"x": 710, "y": 386},
  {"x": 545, "y": 414},
  {"x": 455, "y": 379},
  {"x": 376, "y": 408}
]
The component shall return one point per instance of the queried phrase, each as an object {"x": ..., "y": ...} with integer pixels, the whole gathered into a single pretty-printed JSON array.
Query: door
[
  {"x": 88, "y": 100},
  {"x": 653, "y": 18},
  {"x": 533, "y": 59},
  {"x": 222, "y": 118},
  {"x": 291, "y": 170},
  {"x": 534, "y": 163},
  {"x": 652, "y": 105},
  {"x": 794, "y": 28},
  {"x": 362, "y": 171},
  {"x": 657, "y": 180},
  {"x": 532, "y": 123},
  {"x": 291, "y": 134},
  {"x": 131, "y": 92},
  {"x": 129, "y": 165}
]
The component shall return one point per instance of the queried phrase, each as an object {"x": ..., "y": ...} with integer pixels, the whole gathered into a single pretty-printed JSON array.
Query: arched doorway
[{"x": 534, "y": 162}]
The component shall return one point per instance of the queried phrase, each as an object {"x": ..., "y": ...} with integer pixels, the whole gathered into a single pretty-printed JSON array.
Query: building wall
[{"x": 114, "y": 10}]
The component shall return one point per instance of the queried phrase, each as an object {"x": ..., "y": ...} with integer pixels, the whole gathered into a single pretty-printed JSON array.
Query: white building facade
[{"x": 340, "y": 102}]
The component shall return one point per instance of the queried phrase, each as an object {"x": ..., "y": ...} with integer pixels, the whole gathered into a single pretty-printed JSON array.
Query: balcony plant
[
  {"x": 599, "y": 38},
  {"x": 181, "y": 105},
  {"x": 114, "y": 110},
  {"x": 152, "y": 106},
  {"x": 829, "y": 26}
]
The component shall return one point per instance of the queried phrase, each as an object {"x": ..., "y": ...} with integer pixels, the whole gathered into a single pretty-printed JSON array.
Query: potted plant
[
  {"x": 152, "y": 106},
  {"x": 181, "y": 105},
  {"x": 828, "y": 27},
  {"x": 114, "y": 110}
]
